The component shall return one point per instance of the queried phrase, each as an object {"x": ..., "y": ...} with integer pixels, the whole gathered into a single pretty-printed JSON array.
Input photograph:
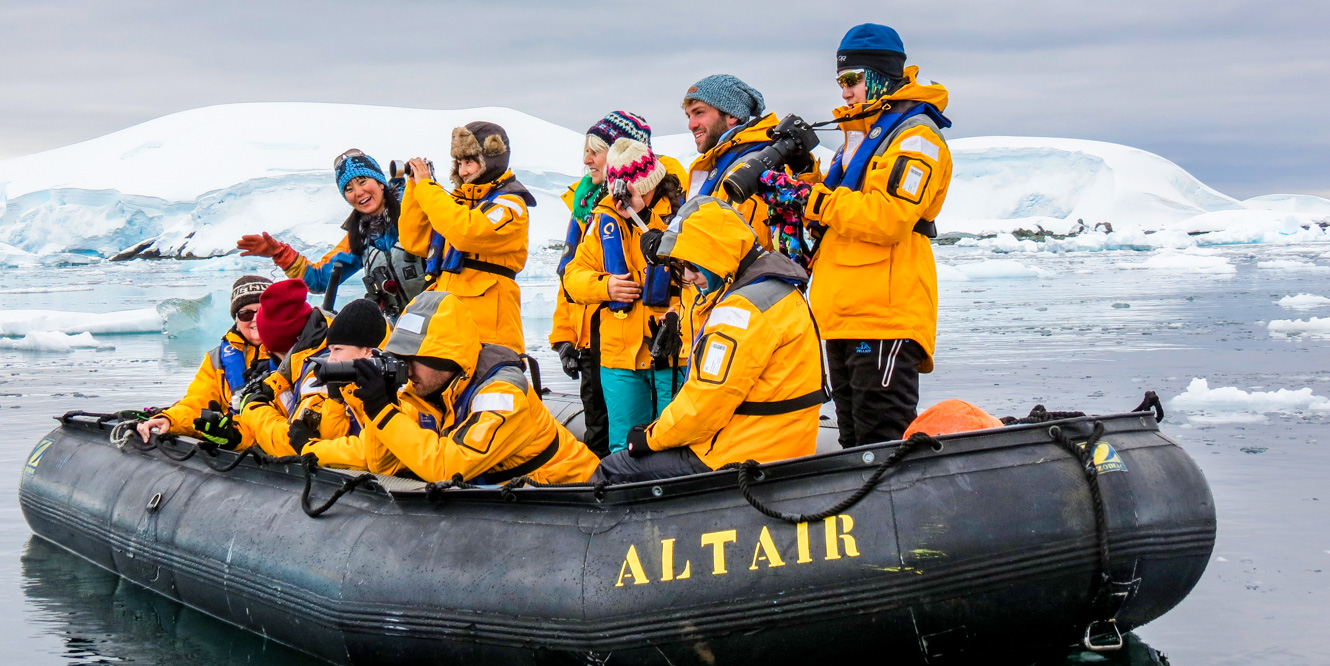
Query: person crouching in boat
[
  {"x": 224, "y": 370},
  {"x": 468, "y": 409},
  {"x": 475, "y": 236},
  {"x": 755, "y": 379},
  {"x": 320, "y": 411},
  {"x": 393, "y": 276}
]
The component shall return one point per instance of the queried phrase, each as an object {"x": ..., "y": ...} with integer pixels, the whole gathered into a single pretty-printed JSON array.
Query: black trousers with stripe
[{"x": 875, "y": 385}]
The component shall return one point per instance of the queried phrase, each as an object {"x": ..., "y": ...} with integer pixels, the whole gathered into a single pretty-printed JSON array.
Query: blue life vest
[
  {"x": 852, "y": 176},
  {"x": 656, "y": 285},
  {"x": 571, "y": 240},
  {"x": 722, "y": 165},
  {"x": 233, "y": 365},
  {"x": 439, "y": 261}
]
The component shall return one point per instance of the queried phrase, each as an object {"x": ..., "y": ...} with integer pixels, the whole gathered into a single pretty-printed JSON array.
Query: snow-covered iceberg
[{"x": 189, "y": 184}]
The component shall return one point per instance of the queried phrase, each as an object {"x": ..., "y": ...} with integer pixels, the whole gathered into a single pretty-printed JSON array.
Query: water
[{"x": 1066, "y": 341}]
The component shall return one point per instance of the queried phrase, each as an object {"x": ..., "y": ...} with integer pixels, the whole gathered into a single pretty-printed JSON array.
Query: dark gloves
[
  {"x": 650, "y": 242},
  {"x": 300, "y": 434},
  {"x": 372, "y": 388},
  {"x": 258, "y": 393},
  {"x": 666, "y": 339},
  {"x": 637, "y": 442},
  {"x": 216, "y": 425},
  {"x": 570, "y": 358}
]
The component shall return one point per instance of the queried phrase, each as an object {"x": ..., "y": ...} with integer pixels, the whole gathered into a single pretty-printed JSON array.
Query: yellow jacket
[
  {"x": 873, "y": 276},
  {"x": 755, "y": 384},
  {"x": 209, "y": 384},
  {"x": 493, "y": 232},
  {"x": 624, "y": 336},
  {"x": 488, "y": 420}
]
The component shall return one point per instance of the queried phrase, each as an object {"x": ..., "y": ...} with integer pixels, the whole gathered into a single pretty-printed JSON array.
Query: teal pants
[{"x": 628, "y": 399}]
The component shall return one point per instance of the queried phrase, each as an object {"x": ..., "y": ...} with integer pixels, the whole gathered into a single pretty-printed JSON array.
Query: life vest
[
  {"x": 454, "y": 260},
  {"x": 705, "y": 187},
  {"x": 406, "y": 269},
  {"x": 656, "y": 285},
  {"x": 234, "y": 365},
  {"x": 886, "y": 128}
]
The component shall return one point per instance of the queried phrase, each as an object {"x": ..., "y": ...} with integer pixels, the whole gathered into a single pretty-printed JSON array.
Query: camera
[
  {"x": 791, "y": 139},
  {"x": 402, "y": 168},
  {"x": 393, "y": 369},
  {"x": 619, "y": 192},
  {"x": 384, "y": 289}
]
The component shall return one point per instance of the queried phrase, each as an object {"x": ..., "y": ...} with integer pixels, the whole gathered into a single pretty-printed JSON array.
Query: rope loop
[
  {"x": 1150, "y": 402},
  {"x": 750, "y": 471},
  {"x": 178, "y": 457}
]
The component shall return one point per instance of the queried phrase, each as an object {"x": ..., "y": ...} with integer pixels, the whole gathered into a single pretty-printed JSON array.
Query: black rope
[
  {"x": 209, "y": 456},
  {"x": 751, "y": 470},
  {"x": 348, "y": 486},
  {"x": 1101, "y": 610},
  {"x": 1151, "y": 401},
  {"x": 166, "y": 451},
  {"x": 434, "y": 490},
  {"x": 1040, "y": 415}
]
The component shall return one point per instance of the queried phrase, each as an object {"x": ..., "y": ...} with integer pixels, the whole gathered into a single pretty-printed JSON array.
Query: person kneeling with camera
[
  {"x": 755, "y": 379},
  {"x": 467, "y": 409}
]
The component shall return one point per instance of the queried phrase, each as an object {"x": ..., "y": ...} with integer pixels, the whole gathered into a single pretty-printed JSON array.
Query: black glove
[
  {"x": 666, "y": 339},
  {"x": 372, "y": 388},
  {"x": 570, "y": 358},
  {"x": 801, "y": 163},
  {"x": 637, "y": 442},
  {"x": 300, "y": 434},
  {"x": 650, "y": 242},
  {"x": 258, "y": 393},
  {"x": 216, "y": 425}
]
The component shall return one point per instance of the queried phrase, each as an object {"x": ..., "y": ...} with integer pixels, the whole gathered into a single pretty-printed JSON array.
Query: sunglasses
[
  {"x": 680, "y": 266},
  {"x": 341, "y": 159},
  {"x": 246, "y": 315},
  {"x": 850, "y": 78}
]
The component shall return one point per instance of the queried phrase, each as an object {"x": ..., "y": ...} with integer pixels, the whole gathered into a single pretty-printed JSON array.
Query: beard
[{"x": 714, "y": 132}]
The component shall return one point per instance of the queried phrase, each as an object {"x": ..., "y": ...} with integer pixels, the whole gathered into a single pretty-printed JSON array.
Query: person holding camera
[
  {"x": 575, "y": 335},
  {"x": 755, "y": 384},
  {"x": 224, "y": 370},
  {"x": 610, "y": 273},
  {"x": 475, "y": 236},
  {"x": 393, "y": 275},
  {"x": 467, "y": 409},
  {"x": 874, "y": 290},
  {"x": 321, "y": 411},
  {"x": 726, "y": 120}
]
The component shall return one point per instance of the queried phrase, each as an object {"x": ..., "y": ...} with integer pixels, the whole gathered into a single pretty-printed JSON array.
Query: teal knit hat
[{"x": 729, "y": 95}]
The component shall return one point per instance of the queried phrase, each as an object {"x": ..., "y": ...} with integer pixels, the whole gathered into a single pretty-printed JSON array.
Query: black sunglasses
[{"x": 246, "y": 315}]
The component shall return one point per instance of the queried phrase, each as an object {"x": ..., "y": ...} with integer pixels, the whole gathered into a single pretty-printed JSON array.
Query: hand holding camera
[
  {"x": 216, "y": 425},
  {"x": 792, "y": 139},
  {"x": 377, "y": 380},
  {"x": 415, "y": 169}
]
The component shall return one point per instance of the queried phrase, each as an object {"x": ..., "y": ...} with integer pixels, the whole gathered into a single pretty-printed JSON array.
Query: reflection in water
[{"x": 104, "y": 620}]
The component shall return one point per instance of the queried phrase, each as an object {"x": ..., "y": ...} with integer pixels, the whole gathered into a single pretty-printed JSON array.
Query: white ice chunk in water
[
  {"x": 1192, "y": 263},
  {"x": 1199, "y": 397},
  {"x": 54, "y": 341},
  {"x": 23, "y": 322},
  {"x": 1303, "y": 302},
  {"x": 1316, "y": 326}
]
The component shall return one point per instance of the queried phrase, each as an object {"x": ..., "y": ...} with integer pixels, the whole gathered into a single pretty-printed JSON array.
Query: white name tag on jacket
[
  {"x": 492, "y": 402},
  {"x": 730, "y": 316}
]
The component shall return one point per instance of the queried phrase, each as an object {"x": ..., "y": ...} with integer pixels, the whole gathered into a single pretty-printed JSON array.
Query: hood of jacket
[{"x": 437, "y": 325}]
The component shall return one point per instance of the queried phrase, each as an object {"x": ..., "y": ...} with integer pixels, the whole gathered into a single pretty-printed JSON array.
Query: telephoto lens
[
  {"x": 791, "y": 138},
  {"x": 398, "y": 169}
]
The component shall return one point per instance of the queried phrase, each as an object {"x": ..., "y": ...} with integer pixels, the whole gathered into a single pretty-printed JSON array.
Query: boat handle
[
  {"x": 1102, "y": 647},
  {"x": 155, "y": 502}
]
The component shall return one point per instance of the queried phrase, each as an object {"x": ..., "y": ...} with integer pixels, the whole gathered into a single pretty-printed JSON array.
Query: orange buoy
[{"x": 951, "y": 416}]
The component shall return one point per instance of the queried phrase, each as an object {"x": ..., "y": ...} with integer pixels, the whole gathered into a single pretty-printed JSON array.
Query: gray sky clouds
[{"x": 1235, "y": 92}]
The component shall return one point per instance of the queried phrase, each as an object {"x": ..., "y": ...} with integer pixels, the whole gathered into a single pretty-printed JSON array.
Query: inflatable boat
[{"x": 1000, "y": 543}]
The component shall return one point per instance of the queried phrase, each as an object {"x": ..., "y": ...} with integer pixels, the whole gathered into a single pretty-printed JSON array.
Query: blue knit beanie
[
  {"x": 355, "y": 166},
  {"x": 872, "y": 46},
  {"x": 729, "y": 95}
]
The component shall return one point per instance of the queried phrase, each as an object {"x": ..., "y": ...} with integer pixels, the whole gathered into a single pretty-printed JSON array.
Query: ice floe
[
  {"x": 1315, "y": 326},
  {"x": 15, "y": 323},
  {"x": 1303, "y": 302},
  {"x": 54, "y": 341},
  {"x": 1211, "y": 403}
]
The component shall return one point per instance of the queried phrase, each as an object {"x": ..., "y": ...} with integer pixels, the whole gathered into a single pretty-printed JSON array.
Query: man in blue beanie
[
  {"x": 874, "y": 290},
  {"x": 725, "y": 117},
  {"x": 393, "y": 276}
]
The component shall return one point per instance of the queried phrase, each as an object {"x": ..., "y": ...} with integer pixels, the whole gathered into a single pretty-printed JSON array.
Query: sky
[{"x": 1235, "y": 92}]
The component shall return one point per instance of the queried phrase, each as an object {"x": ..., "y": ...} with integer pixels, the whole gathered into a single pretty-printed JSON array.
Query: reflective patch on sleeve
[
  {"x": 495, "y": 214},
  {"x": 411, "y": 323},
  {"x": 516, "y": 206},
  {"x": 918, "y": 144},
  {"x": 730, "y": 316},
  {"x": 492, "y": 402},
  {"x": 717, "y": 356}
]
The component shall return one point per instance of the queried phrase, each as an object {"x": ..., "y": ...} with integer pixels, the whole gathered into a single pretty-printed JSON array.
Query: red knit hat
[{"x": 283, "y": 314}]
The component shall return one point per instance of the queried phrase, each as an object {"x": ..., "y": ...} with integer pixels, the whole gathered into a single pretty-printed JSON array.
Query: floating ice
[
  {"x": 1189, "y": 262},
  {"x": 1315, "y": 326},
  {"x": 1291, "y": 265},
  {"x": 1303, "y": 302},
  {"x": 43, "y": 290},
  {"x": 992, "y": 269},
  {"x": 54, "y": 341},
  {"x": 1199, "y": 397},
  {"x": 23, "y": 322}
]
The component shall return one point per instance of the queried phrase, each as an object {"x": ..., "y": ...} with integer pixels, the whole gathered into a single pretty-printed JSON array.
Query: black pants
[
  {"x": 620, "y": 467},
  {"x": 875, "y": 385},
  {"x": 597, "y": 420}
]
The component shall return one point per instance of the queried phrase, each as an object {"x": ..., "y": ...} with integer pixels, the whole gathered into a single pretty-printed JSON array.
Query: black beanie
[{"x": 359, "y": 324}]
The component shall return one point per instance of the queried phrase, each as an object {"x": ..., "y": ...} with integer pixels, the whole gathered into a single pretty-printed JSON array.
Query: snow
[
  {"x": 54, "y": 341},
  {"x": 1199, "y": 397},
  {"x": 189, "y": 184},
  {"x": 1303, "y": 302},
  {"x": 1315, "y": 326},
  {"x": 23, "y": 322}
]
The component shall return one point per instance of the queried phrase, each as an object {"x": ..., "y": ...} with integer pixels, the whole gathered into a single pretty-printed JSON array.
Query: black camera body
[
  {"x": 791, "y": 138},
  {"x": 402, "y": 168},
  {"x": 393, "y": 369}
]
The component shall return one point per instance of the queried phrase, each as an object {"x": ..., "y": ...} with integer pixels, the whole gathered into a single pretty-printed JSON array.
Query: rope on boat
[
  {"x": 1151, "y": 401},
  {"x": 751, "y": 470}
]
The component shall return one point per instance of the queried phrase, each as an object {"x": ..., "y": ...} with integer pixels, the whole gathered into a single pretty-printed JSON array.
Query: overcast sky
[{"x": 1236, "y": 92}]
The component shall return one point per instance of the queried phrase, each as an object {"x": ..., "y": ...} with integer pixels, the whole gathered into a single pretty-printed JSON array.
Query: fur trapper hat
[{"x": 485, "y": 143}]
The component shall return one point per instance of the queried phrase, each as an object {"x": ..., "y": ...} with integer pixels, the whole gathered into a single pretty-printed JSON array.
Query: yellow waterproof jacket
[
  {"x": 209, "y": 384},
  {"x": 493, "y": 236},
  {"x": 624, "y": 336},
  {"x": 488, "y": 420},
  {"x": 755, "y": 382},
  {"x": 267, "y": 424},
  {"x": 873, "y": 276}
]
